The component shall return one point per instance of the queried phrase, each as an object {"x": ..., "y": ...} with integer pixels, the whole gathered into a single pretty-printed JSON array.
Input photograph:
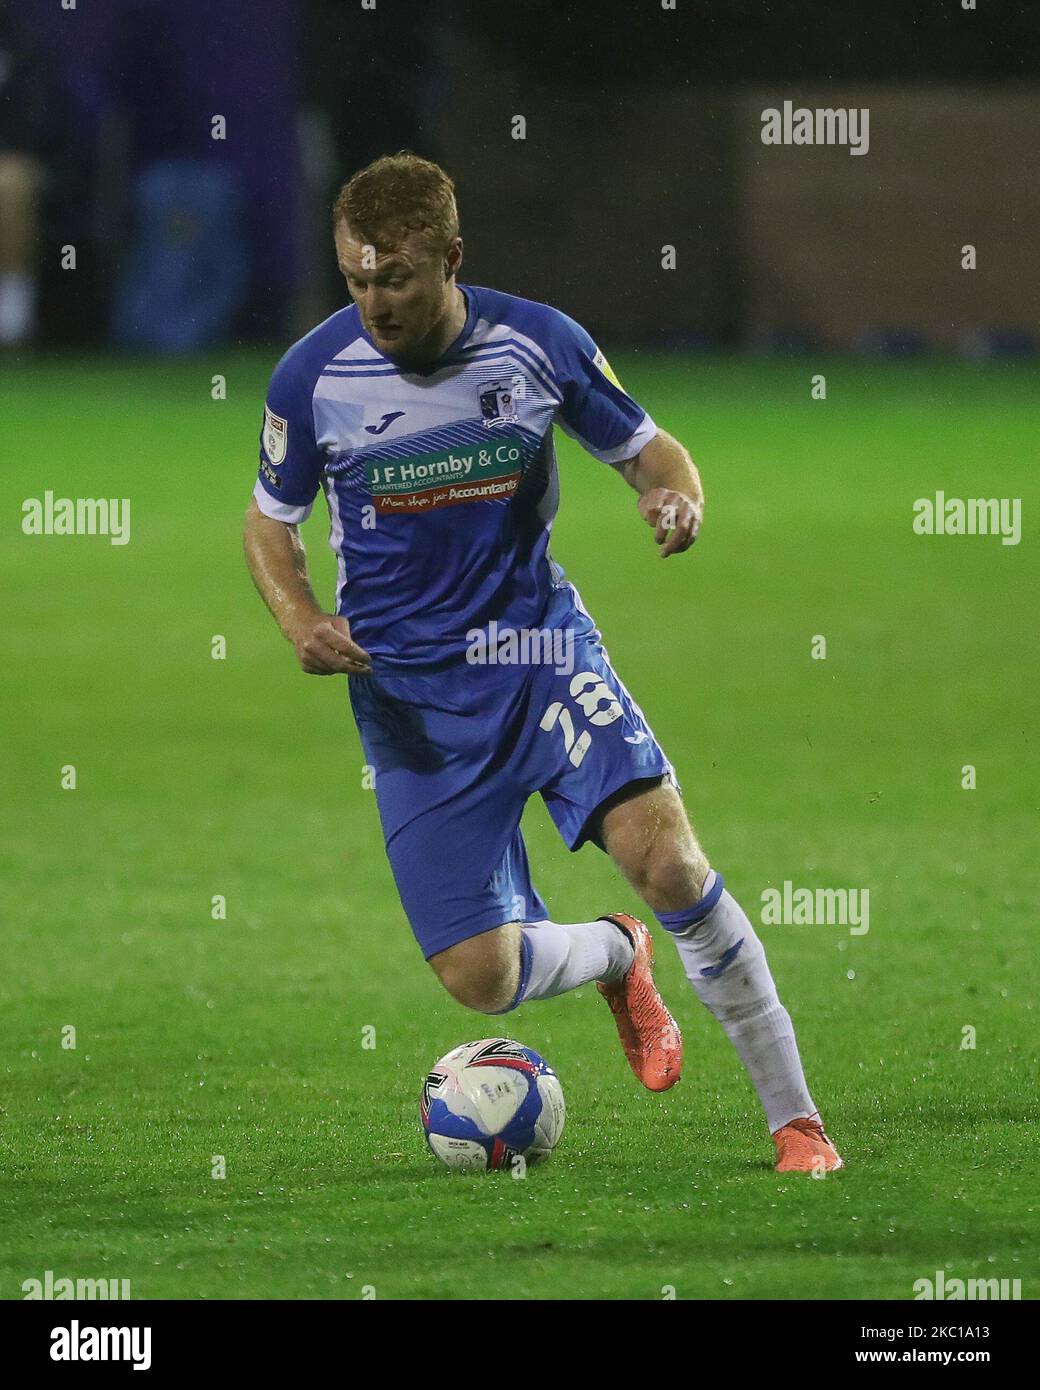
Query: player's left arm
[
  {"x": 671, "y": 497},
  {"x": 597, "y": 411}
]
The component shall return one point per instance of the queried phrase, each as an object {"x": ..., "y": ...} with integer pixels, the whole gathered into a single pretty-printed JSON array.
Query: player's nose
[{"x": 378, "y": 306}]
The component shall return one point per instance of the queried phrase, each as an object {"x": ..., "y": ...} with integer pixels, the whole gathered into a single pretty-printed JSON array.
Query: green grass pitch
[{"x": 243, "y": 777}]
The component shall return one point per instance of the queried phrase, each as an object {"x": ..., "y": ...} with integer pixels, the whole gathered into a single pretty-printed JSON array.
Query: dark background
[{"x": 643, "y": 130}]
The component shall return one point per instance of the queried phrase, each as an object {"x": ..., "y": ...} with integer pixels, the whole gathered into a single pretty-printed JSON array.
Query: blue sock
[
  {"x": 526, "y": 957},
  {"x": 687, "y": 917}
]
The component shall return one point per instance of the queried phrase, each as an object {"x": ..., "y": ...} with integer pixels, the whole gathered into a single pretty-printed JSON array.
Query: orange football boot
[
  {"x": 802, "y": 1147},
  {"x": 648, "y": 1033}
]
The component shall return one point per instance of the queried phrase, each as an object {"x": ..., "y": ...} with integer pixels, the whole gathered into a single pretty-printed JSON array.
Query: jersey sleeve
[
  {"x": 290, "y": 461},
  {"x": 596, "y": 410}
]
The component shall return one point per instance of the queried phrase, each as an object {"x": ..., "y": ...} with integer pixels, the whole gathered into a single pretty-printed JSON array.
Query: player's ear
[{"x": 453, "y": 258}]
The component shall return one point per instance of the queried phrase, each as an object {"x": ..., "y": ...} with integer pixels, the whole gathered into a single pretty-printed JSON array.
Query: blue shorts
[{"x": 456, "y": 755}]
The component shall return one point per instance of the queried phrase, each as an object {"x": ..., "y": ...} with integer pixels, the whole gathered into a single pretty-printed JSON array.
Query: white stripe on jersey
[
  {"x": 279, "y": 511},
  {"x": 356, "y": 391}
]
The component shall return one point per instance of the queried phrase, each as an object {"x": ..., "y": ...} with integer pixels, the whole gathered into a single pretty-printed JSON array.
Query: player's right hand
[{"x": 325, "y": 648}]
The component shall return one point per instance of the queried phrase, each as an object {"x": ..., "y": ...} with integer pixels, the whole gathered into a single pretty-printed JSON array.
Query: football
[{"x": 492, "y": 1104}]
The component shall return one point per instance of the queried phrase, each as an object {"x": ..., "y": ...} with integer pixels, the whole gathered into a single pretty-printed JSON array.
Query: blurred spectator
[
  {"x": 163, "y": 207},
  {"x": 29, "y": 146}
]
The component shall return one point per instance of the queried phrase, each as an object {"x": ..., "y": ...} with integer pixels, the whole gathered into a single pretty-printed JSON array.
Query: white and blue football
[{"x": 491, "y": 1104}]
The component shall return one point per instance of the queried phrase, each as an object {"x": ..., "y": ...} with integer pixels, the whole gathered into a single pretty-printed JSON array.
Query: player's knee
[
  {"x": 669, "y": 874},
  {"x": 483, "y": 972},
  {"x": 484, "y": 987}
]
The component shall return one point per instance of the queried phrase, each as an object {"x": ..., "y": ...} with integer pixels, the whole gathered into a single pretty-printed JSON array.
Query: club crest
[{"x": 500, "y": 400}]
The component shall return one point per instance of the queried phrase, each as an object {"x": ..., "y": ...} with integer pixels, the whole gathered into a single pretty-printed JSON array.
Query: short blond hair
[{"x": 397, "y": 194}]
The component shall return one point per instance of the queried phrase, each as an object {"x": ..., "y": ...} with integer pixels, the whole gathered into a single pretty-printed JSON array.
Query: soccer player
[{"x": 425, "y": 412}]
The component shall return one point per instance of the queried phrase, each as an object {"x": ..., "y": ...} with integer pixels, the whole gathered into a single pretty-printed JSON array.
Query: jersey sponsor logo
[
  {"x": 387, "y": 419},
  {"x": 500, "y": 400},
  {"x": 269, "y": 475},
  {"x": 276, "y": 437},
  {"x": 446, "y": 477}
]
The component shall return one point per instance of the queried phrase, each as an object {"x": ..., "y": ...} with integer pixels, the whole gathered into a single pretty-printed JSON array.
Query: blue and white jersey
[{"x": 442, "y": 484}]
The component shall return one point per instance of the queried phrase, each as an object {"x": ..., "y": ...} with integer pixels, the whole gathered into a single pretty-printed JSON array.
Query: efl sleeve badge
[{"x": 276, "y": 437}]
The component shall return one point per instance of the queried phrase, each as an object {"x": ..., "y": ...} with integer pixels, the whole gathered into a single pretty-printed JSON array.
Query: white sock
[
  {"x": 743, "y": 998},
  {"x": 562, "y": 956},
  {"x": 17, "y": 306}
]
